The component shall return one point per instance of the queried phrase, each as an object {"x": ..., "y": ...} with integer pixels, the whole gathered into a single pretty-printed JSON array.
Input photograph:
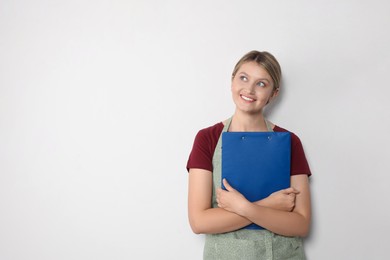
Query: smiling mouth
[{"x": 247, "y": 98}]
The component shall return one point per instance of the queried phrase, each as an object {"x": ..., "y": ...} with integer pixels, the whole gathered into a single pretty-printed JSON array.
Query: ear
[{"x": 274, "y": 94}]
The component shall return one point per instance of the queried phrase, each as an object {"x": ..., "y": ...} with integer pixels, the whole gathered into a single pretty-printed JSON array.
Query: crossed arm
[{"x": 286, "y": 212}]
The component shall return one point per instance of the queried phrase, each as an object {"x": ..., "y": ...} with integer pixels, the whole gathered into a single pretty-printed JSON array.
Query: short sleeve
[
  {"x": 201, "y": 155},
  {"x": 299, "y": 164},
  {"x": 202, "y": 152}
]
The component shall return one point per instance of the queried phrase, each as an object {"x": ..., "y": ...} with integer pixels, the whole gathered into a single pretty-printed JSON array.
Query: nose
[{"x": 252, "y": 87}]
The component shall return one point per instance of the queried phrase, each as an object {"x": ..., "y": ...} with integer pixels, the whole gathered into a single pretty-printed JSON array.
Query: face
[{"x": 252, "y": 88}]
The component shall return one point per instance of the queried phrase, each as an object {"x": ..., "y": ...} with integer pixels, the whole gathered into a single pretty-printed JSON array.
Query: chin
[{"x": 249, "y": 111}]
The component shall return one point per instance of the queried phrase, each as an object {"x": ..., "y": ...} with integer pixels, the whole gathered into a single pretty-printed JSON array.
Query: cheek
[
  {"x": 263, "y": 100},
  {"x": 234, "y": 89},
  {"x": 233, "y": 85},
  {"x": 265, "y": 97},
  {"x": 271, "y": 93}
]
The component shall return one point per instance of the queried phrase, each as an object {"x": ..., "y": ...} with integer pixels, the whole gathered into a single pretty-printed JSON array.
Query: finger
[
  {"x": 292, "y": 196},
  {"x": 286, "y": 191},
  {"x": 295, "y": 190},
  {"x": 227, "y": 185},
  {"x": 291, "y": 190}
]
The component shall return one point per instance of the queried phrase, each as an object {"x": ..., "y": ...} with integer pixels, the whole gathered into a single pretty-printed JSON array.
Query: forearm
[
  {"x": 217, "y": 220},
  {"x": 280, "y": 222},
  {"x": 287, "y": 223}
]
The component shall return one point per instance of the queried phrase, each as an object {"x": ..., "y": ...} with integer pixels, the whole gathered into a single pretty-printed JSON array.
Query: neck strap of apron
[{"x": 229, "y": 121}]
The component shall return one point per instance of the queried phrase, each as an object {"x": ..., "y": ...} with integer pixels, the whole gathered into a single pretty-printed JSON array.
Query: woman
[{"x": 221, "y": 214}]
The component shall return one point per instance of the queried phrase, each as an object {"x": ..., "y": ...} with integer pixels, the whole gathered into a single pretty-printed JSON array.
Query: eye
[
  {"x": 243, "y": 78},
  {"x": 261, "y": 84}
]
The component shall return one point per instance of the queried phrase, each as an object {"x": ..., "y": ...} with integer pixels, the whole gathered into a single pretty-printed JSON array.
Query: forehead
[{"x": 253, "y": 69}]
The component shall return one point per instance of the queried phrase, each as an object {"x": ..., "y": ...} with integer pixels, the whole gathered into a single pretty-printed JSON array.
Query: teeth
[{"x": 246, "y": 98}]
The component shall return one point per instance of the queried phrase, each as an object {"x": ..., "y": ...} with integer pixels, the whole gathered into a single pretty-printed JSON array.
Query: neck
[{"x": 243, "y": 122}]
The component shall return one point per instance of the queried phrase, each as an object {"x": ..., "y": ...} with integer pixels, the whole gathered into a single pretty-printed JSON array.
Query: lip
[{"x": 247, "y": 98}]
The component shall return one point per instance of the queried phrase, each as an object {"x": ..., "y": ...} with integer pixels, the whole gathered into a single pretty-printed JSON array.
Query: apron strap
[
  {"x": 268, "y": 124},
  {"x": 227, "y": 125}
]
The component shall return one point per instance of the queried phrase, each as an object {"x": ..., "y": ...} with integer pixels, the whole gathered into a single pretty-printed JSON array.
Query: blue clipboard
[{"x": 256, "y": 163}]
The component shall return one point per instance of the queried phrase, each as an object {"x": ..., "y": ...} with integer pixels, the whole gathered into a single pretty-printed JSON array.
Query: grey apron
[{"x": 247, "y": 244}]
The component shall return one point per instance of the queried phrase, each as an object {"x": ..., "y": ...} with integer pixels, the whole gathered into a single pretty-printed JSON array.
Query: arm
[
  {"x": 281, "y": 200},
  {"x": 295, "y": 223},
  {"x": 205, "y": 219}
]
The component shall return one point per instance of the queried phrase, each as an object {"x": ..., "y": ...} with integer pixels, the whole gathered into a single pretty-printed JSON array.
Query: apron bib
[{"x": 247, "y": 244}]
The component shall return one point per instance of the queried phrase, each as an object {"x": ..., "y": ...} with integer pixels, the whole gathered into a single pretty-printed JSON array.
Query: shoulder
[
  {"x": 203, "y": 149},
  {"x": 294, "y": 138},
  {"x": 299, "y": 164},
  {"x": 211, "y": 131},
  {"x": 207, "y": 138}
]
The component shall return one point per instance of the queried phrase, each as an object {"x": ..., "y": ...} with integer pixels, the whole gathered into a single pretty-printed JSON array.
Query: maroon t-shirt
[{"x": 206, "y": 140}]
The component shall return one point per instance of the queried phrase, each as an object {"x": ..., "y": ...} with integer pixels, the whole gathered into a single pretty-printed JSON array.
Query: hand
[
  {"x": 231, "y": 200},
  {"x": 281, "y": 200}
]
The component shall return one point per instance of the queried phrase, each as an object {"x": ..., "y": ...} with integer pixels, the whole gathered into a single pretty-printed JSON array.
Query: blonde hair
[{"x": 265, "y": 60}]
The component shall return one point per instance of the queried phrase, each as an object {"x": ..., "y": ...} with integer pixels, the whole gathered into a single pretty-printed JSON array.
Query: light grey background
[{"x": 100, "y": 102}]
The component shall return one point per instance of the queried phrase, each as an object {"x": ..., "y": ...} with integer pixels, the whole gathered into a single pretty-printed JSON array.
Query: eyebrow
[{"x": 265, "y": 79}]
